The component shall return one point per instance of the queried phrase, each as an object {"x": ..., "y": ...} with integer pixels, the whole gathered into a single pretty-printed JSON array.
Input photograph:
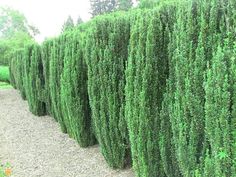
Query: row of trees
[{"x": 156, "y": 86}]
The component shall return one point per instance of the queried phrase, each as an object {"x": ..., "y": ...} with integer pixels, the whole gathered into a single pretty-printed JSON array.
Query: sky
[{"x": 49, "y": 15}]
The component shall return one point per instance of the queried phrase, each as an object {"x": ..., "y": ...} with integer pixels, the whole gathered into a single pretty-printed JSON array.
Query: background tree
[
  {"x": 68, "y": 25},
  {"x": 99, "y": 7},
  {"x": 124, "y": 4},
  {"x": 15, "y": 32},
  {"x": 79, "y": 21},
  {"x": 13, "y": 21}
]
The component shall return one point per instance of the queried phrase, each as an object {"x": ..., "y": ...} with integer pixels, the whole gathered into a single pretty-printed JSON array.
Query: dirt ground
[{"x": 35, "y": 146}]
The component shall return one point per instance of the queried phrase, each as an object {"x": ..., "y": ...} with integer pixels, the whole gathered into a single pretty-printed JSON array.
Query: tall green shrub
[
  {"x": 217, "y": 108},
  {"x": 12, "y": 68},
  {"x": 33, "y": 80},
  {"x": 47, "y": 48},
  {"x": 106, "y": 54},
  {"x": 146, "y": 76},
  {"x": 17, "y": 70},
  {"x": 56, "y": 66},
  {"x": 233, "y": 114},
  {"x": 193, "y": 44},
  {"x": 74, "y": 93}
]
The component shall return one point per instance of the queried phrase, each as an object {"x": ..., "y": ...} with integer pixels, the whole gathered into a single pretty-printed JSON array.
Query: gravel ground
[{"x": 35, "y": 146}]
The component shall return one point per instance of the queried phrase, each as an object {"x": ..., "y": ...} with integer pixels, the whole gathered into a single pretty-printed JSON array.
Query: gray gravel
[{"x": 35, "y": 146}]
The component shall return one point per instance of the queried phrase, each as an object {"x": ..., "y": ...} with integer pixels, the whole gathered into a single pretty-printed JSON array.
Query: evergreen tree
[
  {"x": 146, "y": 70},
  {"x": 47, "y": 47},
  {"x": 74, "y": 94},
  {"x": 96, "y": 7},
  {"x": 124, "y": 4},
  {"x": 33, "y": 79},
  {"x": 99, "y": 7},
  {"x": 68, "y": 25},
  {"x": 79, "y": 21},
  {"x": 17, "y": 72},
  {"x": 106, "y": 54},
  {"x": 233, "y": 114},
  {"x": 217, "y": 109},
  {"x": 55, "y": 71}
]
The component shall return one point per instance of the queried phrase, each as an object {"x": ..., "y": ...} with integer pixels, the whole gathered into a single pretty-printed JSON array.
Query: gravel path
[{"x": 35, "y": 146}]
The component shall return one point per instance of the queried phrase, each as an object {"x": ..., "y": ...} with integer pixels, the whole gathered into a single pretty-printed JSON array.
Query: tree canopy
[
  {"x": 13, "y": 21},
  {"x": 15, "y": 32}
]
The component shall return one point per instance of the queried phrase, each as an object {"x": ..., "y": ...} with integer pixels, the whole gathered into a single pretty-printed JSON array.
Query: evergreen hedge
[
  {"x": 189, "y": 108},
  {"x": 157, "y": 82}
]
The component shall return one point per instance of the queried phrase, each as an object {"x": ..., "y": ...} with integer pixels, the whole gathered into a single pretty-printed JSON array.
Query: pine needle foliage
[
  {"x": 155, "y": 86},
  {"x": 106, "y": 54},
  {"x": 56, "y": 66},
  {"x": 46, "y": 58},
  {"x": 146, "y": 70},
  {"x": 17, "y": 72},
  {"x": 74, "y": 93},
  {"x": 33, "y": 79},
  {"x": 217, "y": 111}
]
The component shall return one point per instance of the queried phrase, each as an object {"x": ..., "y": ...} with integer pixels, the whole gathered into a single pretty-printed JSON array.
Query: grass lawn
[
  {"x": 4, "y": 85},
  {"x": 4, "y": 74}
]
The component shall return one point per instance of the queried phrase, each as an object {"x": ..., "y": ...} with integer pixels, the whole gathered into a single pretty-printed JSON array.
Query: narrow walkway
[{"x": 35, "y": 146}]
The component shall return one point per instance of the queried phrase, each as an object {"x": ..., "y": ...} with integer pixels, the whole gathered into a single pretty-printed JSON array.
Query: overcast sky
[{"x": 49, "y": 15}]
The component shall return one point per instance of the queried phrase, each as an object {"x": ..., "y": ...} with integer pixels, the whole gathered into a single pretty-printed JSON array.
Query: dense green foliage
[
  {"x": 55, "y": 70},
  {"x": 159, "y": 82},
  {"x": 146, "y": 70},
  {"x": 38, "y": 73},
  {"x": 196, "y": 96},
  {"x": 46, "y": 58},
  {"x": 106, "y": 54},
  {"x": 17, "y": 72},
  {"x": 4, "y": 74},
  {"x": 33, "y": 79},
  {"x": 74, "y": 93}
]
